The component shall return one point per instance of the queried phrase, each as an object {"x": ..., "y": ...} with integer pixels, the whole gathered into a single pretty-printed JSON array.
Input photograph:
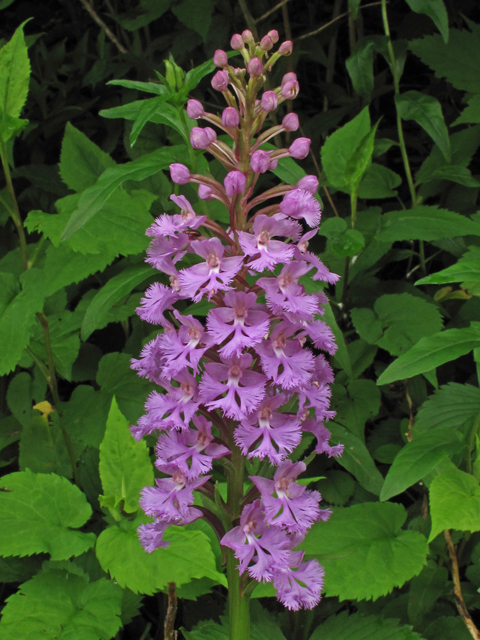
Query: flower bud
[
  {"x": 194, "y": 109},
  {"x": 220, "y": 58},
  {"x": 234, "y": 182},
  {"x": 273, "y": 35},
  {"x": 237, "y": 42},
  {"x": 286, "y": 48},
  {"x": 179, "y": 173},
  {"x": 255, "y": 67},
  {"x": 308, "y": 183},
  {"x": 266, "y": 43},
  {"x": 290, "y": 122},
  {"x": 299, "y": 148},
  {"x": 288, "y": 77},
  {"x": 290, "y": 90},
  {"x": 230, "y": 117},
  {"x": 247, "y": 36},
  {"x": 205, "y": 193},
  {"x": 260, "y": 161},
  {"x": 201, "y": 138},
  {"x": 273, "y": 164},
  {"x": 220, "y": 80},
  {"x": 269, "y": 101}
]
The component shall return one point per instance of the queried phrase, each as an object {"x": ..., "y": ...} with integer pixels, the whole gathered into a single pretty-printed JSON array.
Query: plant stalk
[{"x": 14, "y": 210}]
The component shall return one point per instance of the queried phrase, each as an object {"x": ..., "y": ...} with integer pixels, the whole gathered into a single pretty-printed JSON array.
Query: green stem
[
  {"x": 35, "y": 255},
  {"x": 238, "y": 602},
  {"x": 14, "y": 210}
]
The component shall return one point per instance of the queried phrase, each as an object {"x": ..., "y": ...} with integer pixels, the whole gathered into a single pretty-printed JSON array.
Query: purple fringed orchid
[{"x": 248, "y": 382}]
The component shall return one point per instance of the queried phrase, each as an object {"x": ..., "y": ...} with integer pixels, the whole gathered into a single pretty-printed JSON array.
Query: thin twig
[
  {"x": 265, "y": 15},
  {"x": 169, "y": 626},
  {"x": 88, "y": 7},
  {"x": 457, "y": 590},
  {"x": 342, "y": 15}
]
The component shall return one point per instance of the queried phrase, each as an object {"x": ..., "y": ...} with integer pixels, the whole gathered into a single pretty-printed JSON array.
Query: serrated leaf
[
  {"x": 361, "y": 403},
  {"x": 59, "y": 604},
  {"x": 454, "y": 502},
  {"x": 379, "y": 183},
  {"x": 366, "y": 324},
  {"x": 454, "y": 406},
  {"x": 337, "y": 487},
  {"x": 431, "y": 352},
  {"x": 14, "y": 74},
  {"x": 425, "y": 223},
  {"x": 434, "y": 9},
  {"x": 465, "y": 271},
  {"x": 364, "y": 550},
  {"x": 471, "y": 113},
  {"x": 425, "y": 590},
  {"x": 359, "y": 627},
  {"x": 125, "y": 466},
  {"x": 447, "y": 628},
  {"x": 418, "y": 458},
  {"x": 360, "y": 68},
  {"x": 360, "y": 161},
  {"x": 39, "y": 514},
  {"x": 188, "y": 556},
  {"x": 15, "y": 569}
]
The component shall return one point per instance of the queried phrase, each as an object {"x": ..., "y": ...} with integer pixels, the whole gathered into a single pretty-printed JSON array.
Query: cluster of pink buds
[{"x": 249, "y": 381}]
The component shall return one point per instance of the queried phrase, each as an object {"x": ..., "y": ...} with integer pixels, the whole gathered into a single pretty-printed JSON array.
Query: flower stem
[
  {"x": 14, "y": 210},
  {"x": 238, "y": 602}
]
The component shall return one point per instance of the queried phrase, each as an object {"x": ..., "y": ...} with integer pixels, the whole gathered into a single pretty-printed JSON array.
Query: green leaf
[
  {"x": 337, "y": 487},
  {"x": 287, "y": 170},
  {"x": 458, "y": 61},
  {"x": 431, "y": 352},
  {"x": 42, "y": 447},
  {"x": 471, "y": 113},
  {"x": 114, "y": 290},
  {"x": 427, "y": 112},
  {"x": 425, "y": 223},
  {"x": 356, "y": 459},
  {"x": 93, "y": 198},
  {"x": 19, "y": 569},
  {"x": 425, "y": 590},
  {"x": 158, "y": 111},
  {"x": 57, "y": 603},
  {"x": 14, "y": 75},
  {"x": 85, "y": 415},
  {"x": 454, "y": 405},
  {"x": 378, "y": 183},
  {"x": 360, "y": 161},
  {"x": 17, "y": 314},
  {"x": 364, "y": 550},
  {"x": 81, "y": 161},
  {"x": 343, "y": 241},
  {"x": 188, "y": 556},
  {"x": 454, "y": 502},
  {"x": 194, "y": 76},
  {"x": 359, "y": 627},
  {"x": 361, "y": 403},
  {"x": 146, "y": 12},
  {"x": 196, "y": 15},
  {"x": 434, "y": 9},
  {"x": 465, "y": 271},
  {"x": 447, "y": 628},
  {"x": 341, "y": 353},
  {"x": 39, "y": 514},
  {"x": 418, "y": 458},
  {"x": 125, "y": 466},
  {"x": 339, "y": 147},
  {"x": 360, "y": 68},
  {"x": 367, "y": 324},
  {"x": 454, "y": 173}
]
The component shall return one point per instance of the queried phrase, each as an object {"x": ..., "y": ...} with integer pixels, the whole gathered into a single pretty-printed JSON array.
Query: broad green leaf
[
  {"x": 288, "y": 170},
  {"x": 93, "y": 198},
  {"x": 337, "y": 487},
  {"x": 342, "y": 241},
  {"x": 360, "y": 161},
  {"x": 81, "y": 161},
  {"x": 10, "y": 430},
  {"x": 85, "y": 415},
  {"x": 359, "y": 627},
  {"x": 454, "y": 173},
  {"x": 196, "y": 15},
  {"x": 146, "y": 12},
  {"x": 161, "y": 112},
  {"x": 418, "y": 458},
  {"x": 57, "y": 603},
  {"x": 427, "y": 112},
  {"x": 471, "y": 113},
  {"x": 367, "y": 324},
  {"x": 42, "y": 446},
  {"x": 356, "y": 458},
  {"x": 188, "y": 556},
  {"x": 454, "y": 502},
  {"x": 15, "y": 569},
  {"x": 39, "y": 514},
  {"x": 339, "y": 147},
  {"x": 447, "y": 628},
  {"x": 360, "y": 68},
  {"x": 425, "y": 590},
  {"x": 425, "y": 223},
  {"x": 125, "y": 466},
  {"x": 379, "y": 183},
  {"x": 454, "y": 405},
  {"x": 434, "y": 9},
  {"x": 193, "y": 77},
  {"x": 17, "y": 314},
  {"x": 465, "y": 271},
  {"x": 364, "y": 550},
  {"x": 114, "y": 290},
  {"x": 14, "y": 75},
  {"x": 341, "y": 353},
  {"x": 148, "y": 87},
  {"x": 431, "y": 352},
  {"x": 361, "y": 403},
  {"x": 458, "y": 61}
]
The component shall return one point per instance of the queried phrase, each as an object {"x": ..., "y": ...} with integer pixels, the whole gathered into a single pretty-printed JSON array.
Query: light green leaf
[
  {"x": 431, "y": 352},
  {"x": 454, "y": 405},
  {"x": 359, "y": 627},
  {"x": 360, "y": 161},
  {"x": 196, "y": 15},
  {"x": 364, "y": 550},
  {"x": 337, "y": 487},
  {"x": 465, "y": 271},
  {"x": 125, "y": 466},
  {"x": 188, "y": 556},
  {"x": 454, "y": 502},
  {"x": 42, "y": 447},
  {"x": 427, "y": 112},
  {"x": 39, "y": 514},
  {"x": 85, "y": 415},
  {"x": 14, "y": 75},
  {"x": 454, "y": 173},
  {"x": 367, "y": 324},
  {"x": 425, "y": 223},
  {"x": 471, "y": 113},
  {"x": 434, "y": 9},
  {"x": 81, "y": 161},
  {"x": 57, "y": 603},
  {"x": 161, "y": 112},
  {"x": 194, "y": 76},
  {"x": 343, "y": 241},
  {"x": 360, "y": 68},
  {"x": 418, "y": 458}
]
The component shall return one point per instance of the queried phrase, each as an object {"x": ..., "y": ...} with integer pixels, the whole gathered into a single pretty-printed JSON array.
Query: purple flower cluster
[{"x": 232, "y": 382}]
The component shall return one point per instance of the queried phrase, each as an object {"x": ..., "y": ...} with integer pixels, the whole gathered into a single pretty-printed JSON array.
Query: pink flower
[
  {"x": 299, "y": 148},
  {"x": 234, "y": 182},
  {"x": 220, "y": 58}
]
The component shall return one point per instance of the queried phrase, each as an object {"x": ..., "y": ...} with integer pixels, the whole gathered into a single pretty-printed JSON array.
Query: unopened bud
[
  {"x": 269, "y": 101},
  {"x": 273, "y": 35},
  {"x": 179, "y": 173},
  {"x": 220, "y": 58},
  {"x": 205, "y": 193},
  {"x": 260, "y": 161},
  {"x": 255, "y": 67},
  {"x": 299, "y": 148},
  {"x": 288, "y": 77},
  {"x": 194, "y": 109},
  {"x": 201, "y": 138},
  {"x": 286, "y": 48},
  {"x": 234, "y": 183},
  {"x": 247, "y": 36},
  {"x": 290, "y": 90},
  {"x": 290, "y": 122},
  {"x": 308, "y": 183},
  {"x": 266, "y": 43},
  {"x": 230, "y": 117},
  {"x": 220, "y": 80},
  {"x": 237, "y": 42},
  {"x": 273, "y": 164}
]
